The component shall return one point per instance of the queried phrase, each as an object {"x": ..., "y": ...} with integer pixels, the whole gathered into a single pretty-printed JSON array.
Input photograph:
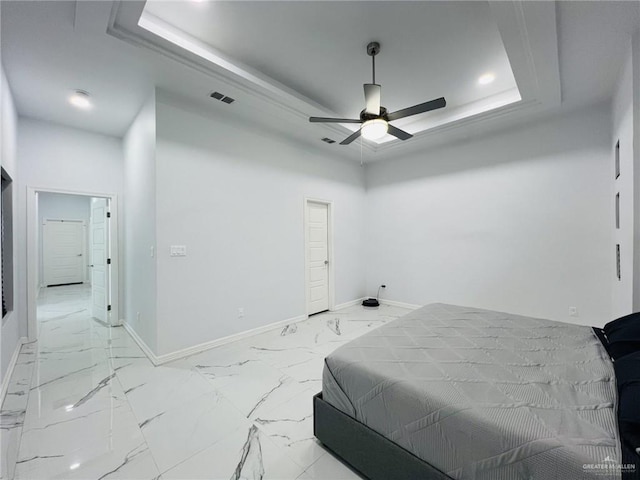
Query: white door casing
[
  {"x": 317, "y": 256},
  {"x": 99, "y": 249},
  {"x": 63, "y": 245},
  {"x": 33, "y": 259}
]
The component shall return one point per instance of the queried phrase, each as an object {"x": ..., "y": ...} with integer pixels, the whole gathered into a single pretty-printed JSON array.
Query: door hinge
[
  {"x": 108, "y": 308},
  {"x": 108, "y": 214},
  {"x": 108, "y": 261}
]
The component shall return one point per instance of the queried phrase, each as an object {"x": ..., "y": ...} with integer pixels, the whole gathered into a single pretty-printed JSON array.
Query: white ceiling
[
  {"x": 318, "y": 49},
  {"x": 284, "y": 61}
]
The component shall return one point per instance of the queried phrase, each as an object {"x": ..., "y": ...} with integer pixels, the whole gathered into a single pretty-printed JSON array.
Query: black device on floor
[{"x": 373, "y": 302}]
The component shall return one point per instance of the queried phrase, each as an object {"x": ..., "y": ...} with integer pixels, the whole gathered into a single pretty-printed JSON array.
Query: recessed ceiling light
[
  {"x": 486, "y": 79},
  {"x": 80, "y": 99},
  {"x": 74, "y": 466}
]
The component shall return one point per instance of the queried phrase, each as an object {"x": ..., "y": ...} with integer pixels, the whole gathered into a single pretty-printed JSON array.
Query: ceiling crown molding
[{"x": 527, "y": 29}]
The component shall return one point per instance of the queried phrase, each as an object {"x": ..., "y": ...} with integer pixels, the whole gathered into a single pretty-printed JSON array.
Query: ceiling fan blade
[
  {"x": 372, "y": 98},
  {"x": 420, "y": 108},
  {"x": 396, "y": 132},
  {"x": 351, "y": 138},
  {"x": 333, "y": 120}
]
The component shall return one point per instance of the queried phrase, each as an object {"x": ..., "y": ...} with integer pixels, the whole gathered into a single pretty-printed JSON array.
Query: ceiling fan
[{"x": 375, "y": 118}]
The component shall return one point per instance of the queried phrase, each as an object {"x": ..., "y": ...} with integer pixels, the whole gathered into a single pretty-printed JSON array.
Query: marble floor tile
[
  {"x": 222, "y": 364},
  {"x": 85, "y": 402},
  {"x": 9, "y": 442},
  {"x": 259, "y": 388},
  {"x": 13, "y": 410},
  {"x": 290, "y": 426},
  {"x": 179, "y": 433},
  {"x": 307, "y": 370},
  {"x": 72, "y": 394},
  {"x": 282, "y": 358},
  {"x": 328, "y": 467},
  {"x": 246, "y": 453},
  {"x": 107, "y": 416},
  {"x": 153, "y": 390},
  {"x": 124, "y": 460}
]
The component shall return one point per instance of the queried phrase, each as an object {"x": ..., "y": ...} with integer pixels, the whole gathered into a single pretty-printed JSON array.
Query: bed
[{"x": 456, "y": 392}]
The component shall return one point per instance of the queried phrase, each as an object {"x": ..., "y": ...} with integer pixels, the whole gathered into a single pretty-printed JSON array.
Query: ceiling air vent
[
  {"x": 222, "y": 97},
  {"x": 328, "y": 140}
]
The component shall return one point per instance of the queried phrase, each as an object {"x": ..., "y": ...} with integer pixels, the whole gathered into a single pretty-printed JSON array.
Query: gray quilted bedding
[{"x": 483, "y": 395}]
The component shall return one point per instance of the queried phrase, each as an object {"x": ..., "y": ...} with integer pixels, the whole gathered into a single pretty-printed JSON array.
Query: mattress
[{"x": 483, "y": 395}]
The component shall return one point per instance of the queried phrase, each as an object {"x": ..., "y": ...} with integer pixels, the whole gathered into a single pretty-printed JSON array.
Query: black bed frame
[{"x": 365, "y": 450}]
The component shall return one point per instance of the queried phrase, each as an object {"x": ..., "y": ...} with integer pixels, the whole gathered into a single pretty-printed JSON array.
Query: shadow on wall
[
  {"x": 524, "y": 142},
  {"x": 240, "y": 141}
]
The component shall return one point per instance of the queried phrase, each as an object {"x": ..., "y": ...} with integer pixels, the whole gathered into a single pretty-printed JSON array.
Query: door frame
[
  {"x": 331, "y": 272},
  {"x": 32, "y": 253},
  {"x": 41, "y": 281}
]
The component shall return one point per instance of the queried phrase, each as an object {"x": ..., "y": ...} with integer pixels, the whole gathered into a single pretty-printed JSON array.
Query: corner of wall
[{"x": 140, "y": 269}]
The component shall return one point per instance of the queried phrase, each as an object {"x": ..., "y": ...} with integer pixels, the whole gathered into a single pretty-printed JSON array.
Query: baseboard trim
[
  {"x": 141, "y": 343},
  {"x": 393, "y": 303},
  {"x": 10, "y": 368},
  {"x": 185, "y": 352},
  {"x": 349, "y": 304}
]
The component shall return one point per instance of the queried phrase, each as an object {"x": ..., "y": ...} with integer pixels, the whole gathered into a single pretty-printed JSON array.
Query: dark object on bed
[
  {"x": 368, "y": 452},
  {"x": 628, "y": 379},
  {"x": 623, "y": 336}
]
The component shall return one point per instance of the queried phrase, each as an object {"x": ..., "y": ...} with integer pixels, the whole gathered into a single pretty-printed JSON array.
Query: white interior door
[
  {"x": 317, "y": 257},
  {"x": 99, "y": 247},
  {"x": 62, "y": 252}
]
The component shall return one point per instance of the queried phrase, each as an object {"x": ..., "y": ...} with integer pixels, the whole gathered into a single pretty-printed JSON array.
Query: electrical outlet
[
  {"x": 573, "y": 311},
  {"x": 240, "y": 312},
  {"x": 138, "y": 316},
  {"x": 178, "y": 251}
]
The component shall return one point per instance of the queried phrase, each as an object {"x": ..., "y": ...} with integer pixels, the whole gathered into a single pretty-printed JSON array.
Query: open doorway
[{"x": 71, "y": 256}]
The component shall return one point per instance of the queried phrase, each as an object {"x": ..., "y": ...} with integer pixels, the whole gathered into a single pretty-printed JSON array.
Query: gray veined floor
[{"x": 84, "y": 402}]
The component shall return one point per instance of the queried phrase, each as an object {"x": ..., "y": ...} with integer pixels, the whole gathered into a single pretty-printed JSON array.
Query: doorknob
[
  {"x": 79, "y": 255},
  {"x": 326, "y": 262}
]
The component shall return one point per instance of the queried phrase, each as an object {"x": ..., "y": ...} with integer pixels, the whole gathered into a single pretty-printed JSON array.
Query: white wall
[
  {"x": 518, "y": 221},
  {"x": 56, "y": 157},
  {"x": 140, "y": 224},
  {"x": 635, "y": 49},
  {"x": 14, "y": 323},
  {"x": 622, "y": 128},
  {"x": 56, "y": 206},
  {"x": 235, "y": 196}
]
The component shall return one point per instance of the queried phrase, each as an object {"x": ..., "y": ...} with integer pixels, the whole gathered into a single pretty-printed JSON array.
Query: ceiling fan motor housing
[{"x": 364, "y": 116}]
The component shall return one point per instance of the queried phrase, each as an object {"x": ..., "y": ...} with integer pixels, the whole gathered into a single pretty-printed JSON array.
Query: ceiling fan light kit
[
  {"x": 374, "y": 129},
  {"x": 374, "y": 118}
]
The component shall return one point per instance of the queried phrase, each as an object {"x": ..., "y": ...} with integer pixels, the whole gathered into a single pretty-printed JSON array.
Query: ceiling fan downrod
[{"x": 372, "y": 50}]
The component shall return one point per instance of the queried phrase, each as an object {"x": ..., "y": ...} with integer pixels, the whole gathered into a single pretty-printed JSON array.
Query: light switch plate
[{"x": 178, "y": 251}]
